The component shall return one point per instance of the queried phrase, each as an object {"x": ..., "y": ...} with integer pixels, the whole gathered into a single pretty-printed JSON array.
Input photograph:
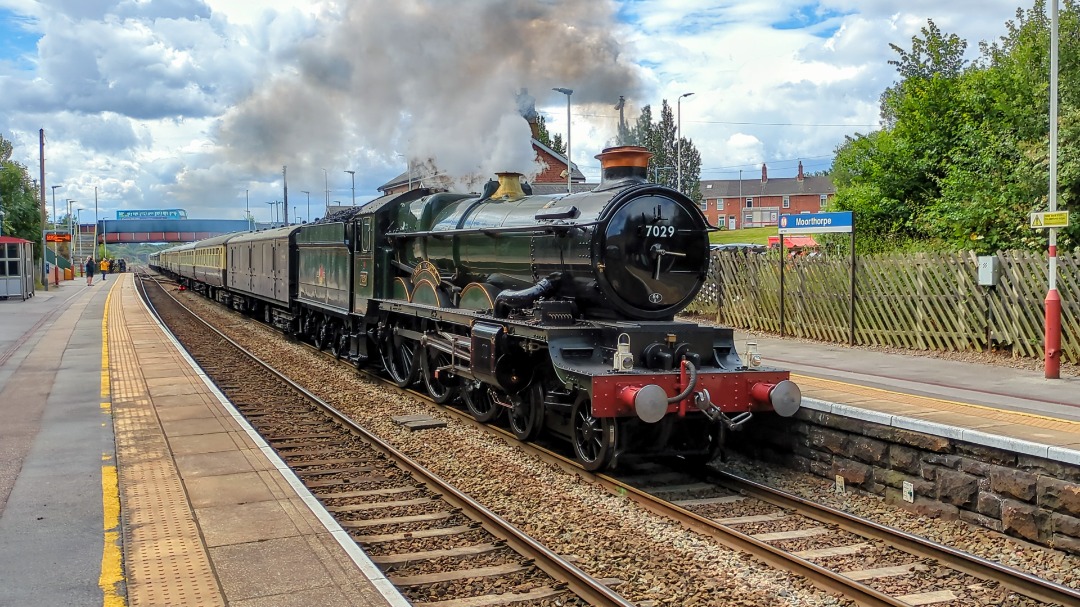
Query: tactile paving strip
[{"x": 164, "y": 558}]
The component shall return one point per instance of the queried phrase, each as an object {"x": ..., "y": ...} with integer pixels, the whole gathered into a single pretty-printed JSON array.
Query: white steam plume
[{"x": 436, "y": 80}]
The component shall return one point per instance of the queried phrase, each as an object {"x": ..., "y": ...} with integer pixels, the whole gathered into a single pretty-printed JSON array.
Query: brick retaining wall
[{"x": 1025, "y": 496}]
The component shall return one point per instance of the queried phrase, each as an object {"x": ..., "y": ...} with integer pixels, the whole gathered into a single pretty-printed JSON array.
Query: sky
[{"x": 214, "y": 106}]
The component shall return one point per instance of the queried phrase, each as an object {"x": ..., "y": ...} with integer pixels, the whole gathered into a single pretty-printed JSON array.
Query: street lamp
[
  {"x": 678, "y": 180},
  {"x": 308, "y": 204},
  {"x": 273, "y": 208},
  {"x": 353, "y": 173},
  {"x": 247, "y": 210},
  {"x": 326, "y": 188},
  {"x": 71, "y": 233},
  {"x": 569, "y": 165}
]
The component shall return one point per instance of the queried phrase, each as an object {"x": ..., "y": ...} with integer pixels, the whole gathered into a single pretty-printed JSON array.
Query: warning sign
[{"x": 1056, "y": 219}]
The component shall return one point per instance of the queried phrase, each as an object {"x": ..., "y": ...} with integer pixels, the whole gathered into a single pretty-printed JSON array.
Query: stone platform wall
[{"x": 1030, "y": 497}]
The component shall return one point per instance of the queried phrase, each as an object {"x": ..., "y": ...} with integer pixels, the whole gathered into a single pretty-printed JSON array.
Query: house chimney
[
  {"x": 527, "y": 109},
  {"x": 764, "y": 173},
  {"x": 623, "y": 165},
  {"x": 800, "y": 177}
]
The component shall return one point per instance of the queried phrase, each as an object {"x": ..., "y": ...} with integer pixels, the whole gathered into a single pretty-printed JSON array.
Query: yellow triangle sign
[{"x": 1036, "y": 220}]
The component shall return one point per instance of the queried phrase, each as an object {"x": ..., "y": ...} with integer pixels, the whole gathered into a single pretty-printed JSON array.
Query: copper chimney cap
[
  {"x": 625, "y": 156},
  {"x": 622, "y": 166}
]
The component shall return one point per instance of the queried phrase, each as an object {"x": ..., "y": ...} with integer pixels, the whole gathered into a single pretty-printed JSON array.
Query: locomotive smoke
[{"x": 434, "y": 80}]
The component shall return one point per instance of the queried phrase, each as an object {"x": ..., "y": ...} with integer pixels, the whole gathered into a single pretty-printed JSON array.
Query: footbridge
[{"x": 112, "y": 231}]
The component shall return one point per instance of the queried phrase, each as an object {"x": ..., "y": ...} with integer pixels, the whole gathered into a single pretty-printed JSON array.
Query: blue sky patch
[
  {"x": 812, "y": 18},
  {"x": 18, "y": 40}
]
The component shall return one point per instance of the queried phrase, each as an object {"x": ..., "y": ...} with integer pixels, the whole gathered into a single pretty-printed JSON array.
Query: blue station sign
[
  {"x": 816, "y": 223},
  {"x": 153, "y": 214}
]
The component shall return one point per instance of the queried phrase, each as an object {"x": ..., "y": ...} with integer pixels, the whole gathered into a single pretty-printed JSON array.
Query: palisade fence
[{"x": 926, "y": 301}]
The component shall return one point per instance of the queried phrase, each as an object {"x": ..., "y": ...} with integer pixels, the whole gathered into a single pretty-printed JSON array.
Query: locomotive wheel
[
  {"x": 399, "y": 359},
  {"x": 593, "y": 438},
  {"x": 337, "y": 340},
  {"x": 479, "y": 402},
  {"x": 441, "y": 384},
  {"x": 527, "y": 413},
  {"x": 322, "y": 335}
]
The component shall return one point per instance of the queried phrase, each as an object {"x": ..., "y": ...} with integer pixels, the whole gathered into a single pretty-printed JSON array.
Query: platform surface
[
  {"x": 982, "y": 399},
  {"x": 183, "y": 506}
]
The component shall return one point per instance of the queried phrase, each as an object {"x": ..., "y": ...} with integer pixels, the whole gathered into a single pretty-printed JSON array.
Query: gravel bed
[
  {"x": 1043, "y": 562},
  {"x": 611, "y": 536},
  {"x": 789, "y": 523}
]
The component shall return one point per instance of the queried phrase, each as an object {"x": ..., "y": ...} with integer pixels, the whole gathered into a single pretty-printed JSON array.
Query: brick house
[{"x": 750, "y": 203}]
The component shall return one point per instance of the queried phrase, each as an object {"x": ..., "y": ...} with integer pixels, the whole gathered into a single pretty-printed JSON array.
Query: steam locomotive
[{"x": 556, "y": 312}]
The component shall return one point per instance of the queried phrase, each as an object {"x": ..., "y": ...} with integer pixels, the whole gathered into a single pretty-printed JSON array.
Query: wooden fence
[{"x": 927, "y": 301}]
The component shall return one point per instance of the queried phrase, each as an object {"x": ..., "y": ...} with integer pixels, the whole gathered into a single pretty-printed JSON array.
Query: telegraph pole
[{"x": 285, "y": 204}]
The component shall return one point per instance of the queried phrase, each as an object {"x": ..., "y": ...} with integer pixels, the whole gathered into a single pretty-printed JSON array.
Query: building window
[
  {"x": 720, "y": 222},
  {"x": 824, "y": 200},
  {"x": 748, "y": 219},
  {"x": 787, "y": 202},
  {"x": 708, "y": 186},
  {"x": 749, "y": 203},
  {"x": 704, "y": 205}
]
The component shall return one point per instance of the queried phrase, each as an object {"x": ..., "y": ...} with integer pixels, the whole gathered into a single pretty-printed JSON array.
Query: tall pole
[
  {"x": 285, "y": 202},
  {"x": 308, "y": 204},
  {"x": 95, "y": 223},
  {"x": 1053, "y": 301},
  {"x": 353, "y": 173},
  {"x": 41, "y": 193},
  {"x": 71, "y": 243},
  {"x": 273, "y": 205},
  {"x": 326, "y": 188},
  {"x": 247, "y": 209},
  {"x": 569, "y": 163},
  {"x": 678, "y": 160}
]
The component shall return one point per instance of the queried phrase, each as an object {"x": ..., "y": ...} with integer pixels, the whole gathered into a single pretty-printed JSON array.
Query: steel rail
[
  {"x": 579, "y": 582},
  {"x": 1014, "y": 579}
]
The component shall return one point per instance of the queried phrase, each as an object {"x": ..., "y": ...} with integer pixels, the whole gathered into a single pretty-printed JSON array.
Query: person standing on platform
[
  {"x": 104, "y": 267},
  {"x": 89, "y": 271}
]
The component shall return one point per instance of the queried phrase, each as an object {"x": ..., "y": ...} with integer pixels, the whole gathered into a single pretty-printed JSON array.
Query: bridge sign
[
  {"x": 816, "y": 223},
  {"x": 153, "y": 214},
  {"x": 1056, "y": 219}
]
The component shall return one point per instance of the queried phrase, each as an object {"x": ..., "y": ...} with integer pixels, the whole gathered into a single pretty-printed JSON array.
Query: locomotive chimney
[
  {"x": 509, "y": 187},
  {"x": 623, "y": 165}
]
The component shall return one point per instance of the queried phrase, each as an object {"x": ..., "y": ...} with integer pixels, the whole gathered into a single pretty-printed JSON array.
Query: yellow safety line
[
  {"x": 941, "y": 400},
  {"x": 112, "y": 568}
]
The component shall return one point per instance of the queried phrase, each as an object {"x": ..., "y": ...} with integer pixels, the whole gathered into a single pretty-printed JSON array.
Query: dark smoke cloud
[{"x": 431, "y": 79}]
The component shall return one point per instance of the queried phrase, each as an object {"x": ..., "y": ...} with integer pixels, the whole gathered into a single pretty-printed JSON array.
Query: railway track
[
  {"x": 868, "y": 562},
  {"x": 436, "y": 544},
  {"x": 853, "y": 557}
]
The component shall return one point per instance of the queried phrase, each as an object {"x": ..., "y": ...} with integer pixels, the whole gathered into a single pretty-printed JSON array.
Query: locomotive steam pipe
[{"x": 515, "y": 300}]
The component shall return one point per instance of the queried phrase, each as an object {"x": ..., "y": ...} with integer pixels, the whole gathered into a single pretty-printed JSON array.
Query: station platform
[
  {"x": 1011, "y": 408},
  {"x": 126, "y": 478}
]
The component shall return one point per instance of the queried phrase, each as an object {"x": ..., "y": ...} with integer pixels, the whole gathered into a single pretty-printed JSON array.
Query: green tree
[
  {"x": 962, "y": 157},
  {"x": 661, "y": 138},
  {"x": 545, "y": 137},
  {"x": 19, "y": 199}
]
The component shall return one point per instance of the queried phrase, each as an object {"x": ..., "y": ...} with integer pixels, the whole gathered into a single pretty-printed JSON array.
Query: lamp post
[
  {"x": 569, "y": 164},
  {"x": 326, "y": 188},
  {"x": 353, "y": 173},
  {"x": 678, "y": 184},
  {"x": 1052, "y": 303},
  {"x": 71, "y": 233},
  {"x": 308, "y": 204},
  {"x": 247, "y": 210},
  {"x": 273, "y": 207}
]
